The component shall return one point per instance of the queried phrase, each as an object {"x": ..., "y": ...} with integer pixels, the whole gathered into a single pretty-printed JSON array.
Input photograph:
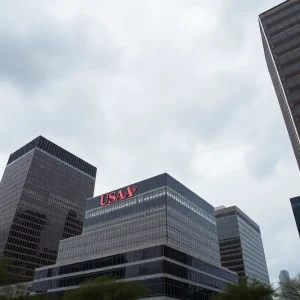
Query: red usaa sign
[{"x": 116, "y": 196}]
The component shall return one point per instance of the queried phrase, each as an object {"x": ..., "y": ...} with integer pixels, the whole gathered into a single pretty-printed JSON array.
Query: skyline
[{"x": 117, "y": 110}]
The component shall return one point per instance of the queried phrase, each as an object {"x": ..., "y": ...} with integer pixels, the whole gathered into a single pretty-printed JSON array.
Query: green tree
[
  {"x": 3, "y": 270},
  {"x": 244, "y": 290},
  {"x": 9, "y": 283},
  {"x": 5, "y": 277},
  {"x": 290, "y": 290},
  {"x": 27, "y": 297},
  {"x": 105, "y": 288}
]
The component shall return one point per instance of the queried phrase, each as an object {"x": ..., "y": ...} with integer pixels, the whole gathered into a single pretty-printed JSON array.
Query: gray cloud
[
  {"x": 175, "y": 86},
  {"x": 54, "y": 49}
]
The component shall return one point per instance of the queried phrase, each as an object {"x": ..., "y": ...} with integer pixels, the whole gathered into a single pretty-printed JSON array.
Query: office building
[
  {"x": 284, "y": 277},
  {"x": 280, "y": 31},
  {"x": 156, "y": 232},
  {"x": 295, "y": 202},
  {"x": 241, "y": 246},
  {"x": 42, "y": 199}
]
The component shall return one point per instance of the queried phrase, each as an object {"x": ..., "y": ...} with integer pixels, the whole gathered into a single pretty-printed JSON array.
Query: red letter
[
  {"x": 128, "y": 192},
  {"x": 112, "y": 198},
  {"x": 120, "y": 195},
  {"x": 103, "y": 201}
]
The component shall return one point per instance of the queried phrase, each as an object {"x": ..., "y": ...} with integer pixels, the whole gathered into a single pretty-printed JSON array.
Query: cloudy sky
[{"x": 138, "y": 88}]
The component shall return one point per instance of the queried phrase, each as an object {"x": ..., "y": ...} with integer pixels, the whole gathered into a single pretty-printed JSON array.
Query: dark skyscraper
[
  {"x": 280, "y": 30},
  {"x": 241, "y": 246},
  {"x": 42, "y": 200},
  {"x": 295, "y": 202}
]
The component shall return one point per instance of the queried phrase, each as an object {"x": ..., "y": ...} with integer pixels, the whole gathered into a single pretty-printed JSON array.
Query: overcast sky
[{"x": 138, "y": 88}]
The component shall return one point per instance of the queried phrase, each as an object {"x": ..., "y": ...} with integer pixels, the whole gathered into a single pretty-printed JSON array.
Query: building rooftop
[
  {"x": 295, "y": 199},
  {"x": 234, "y": 210},
  {"x": 56, "y": 151},
  {"x": 160, "y": 180},
  {"x": 277, "y": 8}
]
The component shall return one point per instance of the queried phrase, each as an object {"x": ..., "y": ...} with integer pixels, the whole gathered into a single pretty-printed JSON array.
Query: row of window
[
  {"x": 28, "y": 254},
  {"x": 126, "y": 223},
  {"x": 25, "y": 230},
  {"x": 287, "y": 47},
  {"x": 285, "y": 14},
  {"x": 289, "y": 73},
  {"x": 198, "y": 264},
  {"x": 31, "y": 216},
  {"x": 30, "y": 224},
  {"x": 240, "y": 215},
  {"x": 20, "y": 242},
  {"x": 193, "y": 245},
  {"x": 57, "y": 179},
  {"x": 129, "y": 202},
  {"x": 283, "y": 26},
  {"x": 66, "y": 156},
  {"x": 48, "y": 210},
  {"x": 131, "y": 232},
  {"x": 41, "y": 257},
  {"x": 230, "y": 242},
  {"x": 135, "y": 256},
  {"x": 253, "y": 271},
  {"x": 157, "y": 236},
  {"x": 191, "y": 214},
  {"x": 282, "y": 101},
  {"x": 224, "y": 255},
  {"x": 24, "y": 236},
  {"x": 182, "y": 200},
  {"x": 150, "y": 268},
  {"x": 22, "y": 272},
  {"x": 54, "y": 214},
  {"x": 285, "y": 36},
  {"x": 126, "y": 213},
  {"x": 200, "y": 239},
  {"x": 288, "y": 60},
  {"x": 147, "y": 197},
  {"x": 231, "y": 257},
  {"x": 171, "y": 288},
  {"x": 233, "y": 264}
]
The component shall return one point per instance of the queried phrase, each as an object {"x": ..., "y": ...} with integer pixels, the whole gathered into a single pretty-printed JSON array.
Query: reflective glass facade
[
  {"x": 295, "y": 202},
  {"x": 241, "y": 246},
  {"x": 284, "y": 277},
  {"x": 280, "y": 30},
  {"x": 42, "y": 198},
  {"x": 162, "y": 231}
]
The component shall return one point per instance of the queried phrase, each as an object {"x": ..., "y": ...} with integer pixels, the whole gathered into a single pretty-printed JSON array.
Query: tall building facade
[
  {"x": 284, "y": 277},
  {"x": 280, "y": 31},
  {"x": 295, "y": 202},
  {"x": 42, "y": 198},
  {"x": 156, "y": 232},
  {"x": 241, "y": 246}
]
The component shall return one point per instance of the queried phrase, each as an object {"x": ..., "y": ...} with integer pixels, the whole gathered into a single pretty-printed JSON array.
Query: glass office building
[
  {"x": 284, "y": 277},
  {"x": 42, "y": 198},
  {"x": 295, "y": 202},
  {"x": 156, "y": 232},
  {"x": 241, "y": 246},
  {"x": 280, "y": 31}
]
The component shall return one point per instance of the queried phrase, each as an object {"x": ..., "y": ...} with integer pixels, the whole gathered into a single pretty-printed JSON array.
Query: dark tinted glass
[{"x": 43, "y": 202}]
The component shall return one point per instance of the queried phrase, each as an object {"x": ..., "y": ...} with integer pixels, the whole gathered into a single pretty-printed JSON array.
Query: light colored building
[
  {"x": 155, "y": 231},
  {"x": 241, "y": 246}
]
